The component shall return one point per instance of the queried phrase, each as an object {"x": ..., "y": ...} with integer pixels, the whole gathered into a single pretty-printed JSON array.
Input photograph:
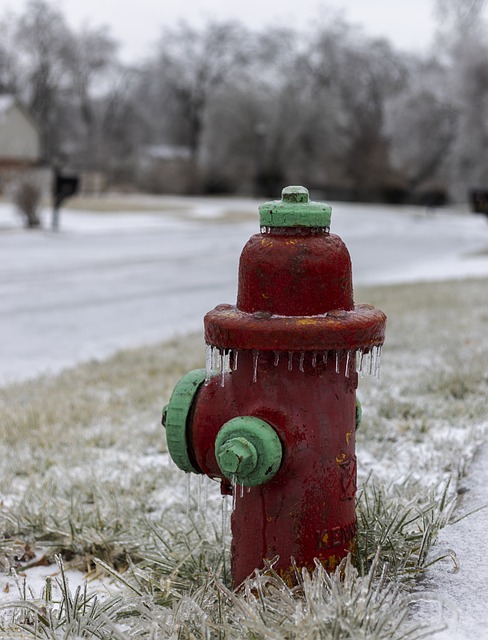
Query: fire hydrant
[{"x": 274, "y": 414}]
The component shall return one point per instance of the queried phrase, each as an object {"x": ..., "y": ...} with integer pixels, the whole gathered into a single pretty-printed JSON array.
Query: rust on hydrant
[{"x": 275, "y": 411}]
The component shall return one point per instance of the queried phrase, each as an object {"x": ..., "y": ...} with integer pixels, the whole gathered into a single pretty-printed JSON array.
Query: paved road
[{"x": 73, "y": 296}]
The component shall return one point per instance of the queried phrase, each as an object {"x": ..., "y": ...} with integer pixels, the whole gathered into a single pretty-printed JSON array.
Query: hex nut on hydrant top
[{"x": 275, "y": 410}]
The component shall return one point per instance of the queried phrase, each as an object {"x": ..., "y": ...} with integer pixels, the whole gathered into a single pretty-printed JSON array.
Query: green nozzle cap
[
  {"x": 248, "y": 451},
  {"x": 294, "y": 210},
  {"x": 175, "y": 416}
]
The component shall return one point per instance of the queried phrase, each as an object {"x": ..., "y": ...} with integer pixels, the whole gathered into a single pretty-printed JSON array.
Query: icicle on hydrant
[{"x": 274, "y": 414}]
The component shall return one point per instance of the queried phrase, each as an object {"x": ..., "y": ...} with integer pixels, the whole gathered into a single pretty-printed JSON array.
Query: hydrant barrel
[{"x": 277, "y": 412}]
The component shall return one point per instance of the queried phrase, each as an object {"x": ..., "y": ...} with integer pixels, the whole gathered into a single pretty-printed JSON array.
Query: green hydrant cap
[
  {"x": 248, "y": 451},
  {"x": 175, "y": 415},
  {"x": 295, "y": 210}
]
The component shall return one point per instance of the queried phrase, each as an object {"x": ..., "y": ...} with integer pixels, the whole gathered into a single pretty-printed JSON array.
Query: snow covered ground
[
  {"x": 465, "y": 585},
  {"x": 108, "y": 281}
]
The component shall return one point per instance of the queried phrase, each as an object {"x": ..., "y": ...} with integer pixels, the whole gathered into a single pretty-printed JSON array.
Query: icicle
[
  {"x": 206, "y": 484},
  {"x": 364, "y": 365},
  {"x": 202, "y": 496},
  {"x": 348, "y": 359},
  {"x": 213, "y": 366},
  {"x": 224, "y": 364},
  {"x": 302, "y": 359},
  {"x": 222, "y": 367},
  {"x": 314, "y": 359},
  {"x": 325, "y": 357},
  {"x": 225, "y": 516},
  {"x": 208, "y": 362},
  {"x": 337, "y": 359},
  {"x": 359, "y": 362},
  {"x": 367, "y": 362},
  {"x": 290, "y": 360},
  {"x": 255, "y": 361},
  {"x": 235, "y": 354},
  {"x": 242, "y": 490},
  {"x": 376, "y": 361},
  {"x": 199, "y": 488},
  {"x": 234, "y": 493},
  {"x": 276, "y": 358},
  {"x": 188, "y": 492},
  {"x": 370, "y": 371}
]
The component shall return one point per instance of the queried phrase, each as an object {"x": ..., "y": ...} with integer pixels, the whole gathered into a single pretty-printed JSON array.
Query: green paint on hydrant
[
  {"x": 295, "y": 210},
  {"x": 248, "y": 451}
]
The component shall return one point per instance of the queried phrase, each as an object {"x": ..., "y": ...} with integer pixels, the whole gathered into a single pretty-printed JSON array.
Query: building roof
[
  {"x": 167, "y": 152},
  {"x": 7, "y": 101}
]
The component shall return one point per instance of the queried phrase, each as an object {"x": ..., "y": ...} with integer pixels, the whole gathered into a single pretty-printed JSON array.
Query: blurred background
[{"x": 364, "y": 101}]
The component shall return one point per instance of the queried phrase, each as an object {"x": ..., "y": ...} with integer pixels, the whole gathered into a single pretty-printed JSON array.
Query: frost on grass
[{"x": 86, "y": 484}]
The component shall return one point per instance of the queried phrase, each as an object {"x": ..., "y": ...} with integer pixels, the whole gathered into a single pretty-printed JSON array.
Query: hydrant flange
[{"x": 363, "y": 327}]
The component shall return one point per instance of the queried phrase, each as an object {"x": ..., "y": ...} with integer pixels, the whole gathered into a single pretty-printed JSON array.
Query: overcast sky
[{"x": 136, "y": 24}]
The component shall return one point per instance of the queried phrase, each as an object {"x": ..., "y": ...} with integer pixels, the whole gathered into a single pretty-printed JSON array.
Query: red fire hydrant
[{"x": 274, "y": 414}]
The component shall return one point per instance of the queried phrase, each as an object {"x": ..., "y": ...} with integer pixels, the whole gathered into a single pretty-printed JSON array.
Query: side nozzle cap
[
  {"x": 175, "y": 416},
  {"x": 248, "y": 451},
  {"x": 295, "y": 210}
]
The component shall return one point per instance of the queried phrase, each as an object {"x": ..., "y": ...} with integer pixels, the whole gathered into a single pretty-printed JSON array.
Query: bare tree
[
  {"x": 420, "y": 124},
  {"x": 9, "y": 67},
  {"x": 359, "y": 74},
  {"x": 256, "y": 110},
  {"x": 91, "y": 68},
  {"x": 191, "y": 65},
  {"x": 459, "y": 15},
  {"x": 43, "y": 41},
  {"x": 463, "y": 43}
]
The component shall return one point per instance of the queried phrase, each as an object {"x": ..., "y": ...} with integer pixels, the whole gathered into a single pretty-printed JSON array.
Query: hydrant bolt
[{"x": 237, "y": 456}]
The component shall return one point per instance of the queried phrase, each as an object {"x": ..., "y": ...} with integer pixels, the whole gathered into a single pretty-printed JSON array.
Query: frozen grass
[
  {"x": 115, "y": 203},
  {"x": 224, "y": 210},
  {"x": 86, "y": 484}
]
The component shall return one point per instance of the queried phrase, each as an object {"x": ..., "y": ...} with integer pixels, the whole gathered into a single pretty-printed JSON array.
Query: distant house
[
  {"x": 20, "y": 136},
  {"x": 20, "y": 147}
]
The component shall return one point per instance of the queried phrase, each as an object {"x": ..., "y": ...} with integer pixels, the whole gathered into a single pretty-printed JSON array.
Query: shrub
[{"x": 27, "y": 195}]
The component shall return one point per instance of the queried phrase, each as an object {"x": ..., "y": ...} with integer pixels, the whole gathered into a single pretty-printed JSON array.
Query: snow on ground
[
  {"x": 464, "y": 585},
  {"x": 109, "y": 281}
]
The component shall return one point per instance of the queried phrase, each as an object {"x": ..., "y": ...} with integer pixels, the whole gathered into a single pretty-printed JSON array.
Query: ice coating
[{"x": 367, "y": 360}]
